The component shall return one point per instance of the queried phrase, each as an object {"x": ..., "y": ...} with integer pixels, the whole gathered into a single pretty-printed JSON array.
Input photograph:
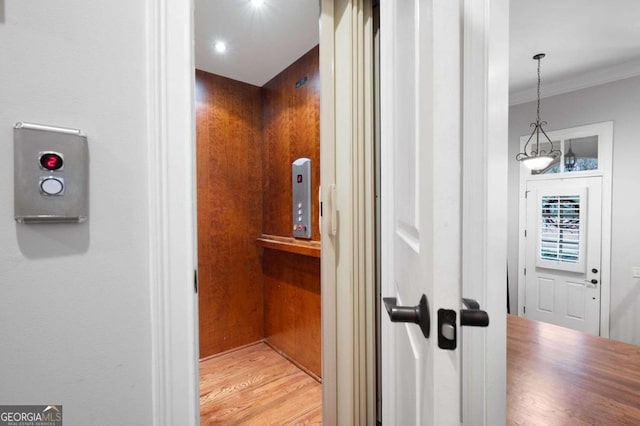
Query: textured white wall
[
  {"x": 619, "y": 102},
  {"x": 74, "y": 299}
]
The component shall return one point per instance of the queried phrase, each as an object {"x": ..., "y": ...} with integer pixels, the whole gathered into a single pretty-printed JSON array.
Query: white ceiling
[
  {"x": 587, "y": 42},
  {"x": 261, "y": 41}
]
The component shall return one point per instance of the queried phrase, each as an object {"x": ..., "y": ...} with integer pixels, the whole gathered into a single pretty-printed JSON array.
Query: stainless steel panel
[
  {"x": 301, "y": 181},
  {"x": 31, "y": 202}
]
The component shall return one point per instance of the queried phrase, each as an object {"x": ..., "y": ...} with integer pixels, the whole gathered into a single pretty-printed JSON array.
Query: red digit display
[{"x": 51, "y": 161}]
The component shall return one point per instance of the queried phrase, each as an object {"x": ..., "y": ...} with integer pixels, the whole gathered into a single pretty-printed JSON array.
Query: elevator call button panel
[
  {"x": 301, "y": 182},
  {"x": 51, "y": 174}
]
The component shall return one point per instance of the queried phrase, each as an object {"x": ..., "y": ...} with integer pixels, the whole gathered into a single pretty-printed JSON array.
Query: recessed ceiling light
[
  {"x": 220, "y": 47},
  {"x": 257, "y": 3}
]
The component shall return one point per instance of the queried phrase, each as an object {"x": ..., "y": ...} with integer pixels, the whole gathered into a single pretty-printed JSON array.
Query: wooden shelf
[{"x": 290, "y": 245}]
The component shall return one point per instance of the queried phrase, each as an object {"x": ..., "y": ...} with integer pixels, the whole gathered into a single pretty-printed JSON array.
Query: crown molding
[{"x": 580, "y": 81}]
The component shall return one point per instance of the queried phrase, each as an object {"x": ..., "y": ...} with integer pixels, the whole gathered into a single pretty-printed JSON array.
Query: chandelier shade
[{"x": 539, "y": 162}]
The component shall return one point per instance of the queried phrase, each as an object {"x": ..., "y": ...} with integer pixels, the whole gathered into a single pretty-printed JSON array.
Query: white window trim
[{"x": 604, "y": 131}]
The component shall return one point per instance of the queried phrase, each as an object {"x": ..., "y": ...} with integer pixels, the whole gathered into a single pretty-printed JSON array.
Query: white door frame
[
  {"x": 346, "y": 126},
  {"x": 172, "y": 233},
  {"x": 484, "y": 216},
  {"x": 604, "y": 131}
]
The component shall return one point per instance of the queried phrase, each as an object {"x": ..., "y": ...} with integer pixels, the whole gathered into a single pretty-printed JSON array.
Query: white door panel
[{"x": 421, "y": 123}]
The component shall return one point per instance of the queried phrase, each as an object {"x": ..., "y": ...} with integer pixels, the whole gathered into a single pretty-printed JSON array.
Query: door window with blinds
[{"x": 561, "y": 225}]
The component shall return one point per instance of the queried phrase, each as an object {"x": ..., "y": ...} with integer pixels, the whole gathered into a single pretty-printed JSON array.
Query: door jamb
[
  {"x": 604, "y": 130},
  {"x": 171, "y": 229},
  {"x": 484, "y": 183}
]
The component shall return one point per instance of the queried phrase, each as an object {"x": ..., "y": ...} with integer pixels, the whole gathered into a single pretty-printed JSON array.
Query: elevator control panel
[
  {"x": 51, "y": 174},
  {"x": 301, "y": 181}
]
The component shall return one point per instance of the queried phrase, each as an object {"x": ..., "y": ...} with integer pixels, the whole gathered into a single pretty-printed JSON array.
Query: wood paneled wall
[
  {"x": 247, "y": 139},
  {"x": 291, "y": 129},
  {"x": 292, "y": 307},
  {"x": 229, "y": 185}
]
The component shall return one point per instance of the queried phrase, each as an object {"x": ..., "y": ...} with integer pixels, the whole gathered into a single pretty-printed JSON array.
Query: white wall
[
  {"x": 74, "y": 299},
  {"x": 620, "y": 102}
]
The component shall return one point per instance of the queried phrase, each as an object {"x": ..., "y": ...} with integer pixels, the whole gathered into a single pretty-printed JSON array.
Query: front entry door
[{"x": 563, "y": 252}]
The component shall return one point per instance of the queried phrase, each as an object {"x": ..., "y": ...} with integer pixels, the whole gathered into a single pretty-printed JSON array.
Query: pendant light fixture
[
  {"x": 536, "y": 158},
  {"x": 569, "y": 159}
]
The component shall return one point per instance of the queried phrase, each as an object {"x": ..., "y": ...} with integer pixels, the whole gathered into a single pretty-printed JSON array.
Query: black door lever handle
[
  {"x": 418, "y": 314},
  {"x": 473, "y": 316}
]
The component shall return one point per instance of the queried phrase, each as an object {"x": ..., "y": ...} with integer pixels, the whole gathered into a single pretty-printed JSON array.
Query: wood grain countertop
[{"x": 558, "y": 376}]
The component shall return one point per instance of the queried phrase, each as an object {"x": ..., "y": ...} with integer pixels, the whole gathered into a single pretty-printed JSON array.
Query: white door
[
  {"x": 563, "y": 252},
  {"x": 421, "y": 133}
]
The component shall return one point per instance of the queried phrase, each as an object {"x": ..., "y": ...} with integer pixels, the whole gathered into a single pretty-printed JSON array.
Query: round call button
[{"x": 52, "y": 186}]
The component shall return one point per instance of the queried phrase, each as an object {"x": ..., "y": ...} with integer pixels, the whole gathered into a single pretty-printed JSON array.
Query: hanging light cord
[{"x": 538, "y": 111}]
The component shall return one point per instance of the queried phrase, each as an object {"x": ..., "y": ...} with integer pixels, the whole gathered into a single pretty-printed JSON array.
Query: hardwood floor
[
  {"x": 557, "y": 376},
  {"x": 257, "y": 386}
]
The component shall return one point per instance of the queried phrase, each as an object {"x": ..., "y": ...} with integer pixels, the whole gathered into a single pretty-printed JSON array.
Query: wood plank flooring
[
  {"x": 257, "y": 386},
  {"x": 557, "y": 376}
]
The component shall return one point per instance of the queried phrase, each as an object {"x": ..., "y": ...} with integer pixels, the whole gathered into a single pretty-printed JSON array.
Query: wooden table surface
[{"x": 558, "y": 376}]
